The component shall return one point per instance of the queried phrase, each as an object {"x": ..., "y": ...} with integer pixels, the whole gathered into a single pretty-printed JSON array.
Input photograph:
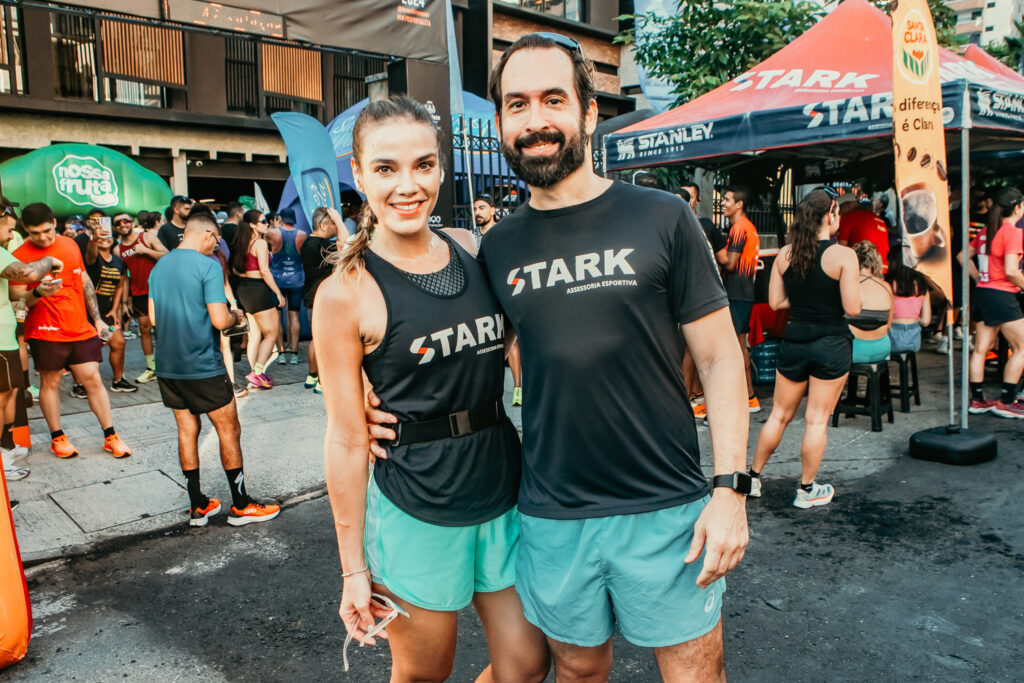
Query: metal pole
[
  {"x": 965, "y": 297},
  {"x": 468, "y": 159}
]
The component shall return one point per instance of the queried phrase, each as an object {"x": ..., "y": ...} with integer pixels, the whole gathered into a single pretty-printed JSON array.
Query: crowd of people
[{"x": 601, "y": 517}]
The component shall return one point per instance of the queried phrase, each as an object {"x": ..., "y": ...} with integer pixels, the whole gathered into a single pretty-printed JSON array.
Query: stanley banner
[{"x": 919, "y": 143}]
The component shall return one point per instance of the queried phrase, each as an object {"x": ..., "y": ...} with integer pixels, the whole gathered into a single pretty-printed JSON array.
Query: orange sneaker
[
  {"x": 62, "y": 448},
  {"x": 201, "y": 516},
  {"x": 754, "y": 405},
  {"x": 253, "y": 512},
  {"x": 700, "y": 411},
  {"x": 113, "y": 445}
]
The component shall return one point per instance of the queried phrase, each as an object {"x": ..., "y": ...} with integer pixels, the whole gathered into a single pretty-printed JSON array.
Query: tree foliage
[
  {"x": 1010, "y": 52},
  {"x": 708, "y": 42}
]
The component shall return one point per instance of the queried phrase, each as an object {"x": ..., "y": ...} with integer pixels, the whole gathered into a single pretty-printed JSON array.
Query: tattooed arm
[
  {"x": 31, "y": 272},
  {"x": 93, "y": 307}
]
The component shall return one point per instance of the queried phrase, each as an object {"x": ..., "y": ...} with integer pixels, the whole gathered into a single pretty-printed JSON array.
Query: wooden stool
[
  {"x": 877, "y": 398},
  {"x": 908, "y": 386}
]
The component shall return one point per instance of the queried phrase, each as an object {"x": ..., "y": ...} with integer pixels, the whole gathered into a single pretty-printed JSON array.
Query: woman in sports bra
[
  {"x": 258, "y": 294},
  {"x": 412, "y": 312},
  {"x": 817, "y": 281},
  {"x": 911, "y": 307},
  {"x": 870, "y": 327}
]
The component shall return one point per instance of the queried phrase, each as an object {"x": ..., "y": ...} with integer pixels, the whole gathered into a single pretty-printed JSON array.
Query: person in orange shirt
[
  {"x": 859, "y": 223},
  {"x": 738, "y": 271},
  {"x": 59, "y": 332}
]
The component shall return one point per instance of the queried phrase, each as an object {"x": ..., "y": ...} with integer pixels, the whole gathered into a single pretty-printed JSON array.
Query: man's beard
[
  {"x": 550, "y": 170},
  {"x": 480, "y": 220}
]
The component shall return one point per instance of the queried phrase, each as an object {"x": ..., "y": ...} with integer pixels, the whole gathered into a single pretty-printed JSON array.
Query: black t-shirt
[
  {"x": 595, "y": 293},
  {"x": 716, "y": 237},
  {"x": 315, "y": 251},
  {"x": 106, "y": 276},
  {"x": 227, "y": 231},
  {"x": 82, "y": 239},
  {"x": 170, "y": 235}
]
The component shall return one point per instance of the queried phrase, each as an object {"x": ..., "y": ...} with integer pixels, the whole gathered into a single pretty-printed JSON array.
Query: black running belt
[{"x": 462, "y": 423}]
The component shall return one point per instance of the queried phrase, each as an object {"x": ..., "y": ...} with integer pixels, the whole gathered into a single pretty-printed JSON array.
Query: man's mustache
[{"x": 539, "y": 137}]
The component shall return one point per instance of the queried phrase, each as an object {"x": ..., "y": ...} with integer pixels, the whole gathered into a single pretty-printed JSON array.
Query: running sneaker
[
  {"x": 282, "y": 359},
  {"x": 253, "y": 512},
  {"x": 9, "y": 454},
  {"x": 78, "y": 391},
  {"x": 148, "y": 376},
  {"x": 254, "y": 380},
  {"x": 62, "y": 448},
  {"x": 696, "y": 400},
  {"x": 124, "y": 386},
  {"x": 201, "y": 516},
  {"x": 517, "y": 396},
  {"x": 294, "y": 360},
  {"x": 820, "y": 494},
  {"x": 1011, "y": 410},
  {"x": 16, "y": 473},
  {"x": 34, "y": 390},
  {"x": 310, "y": 382},
  {"x": 265, "y": 381},
  {"x": 754, "y": 405},
  {"x": 755, "y": 487},
  {"x": 14, "y": 505},
  {"x": 113, "y": 445},
  {"x": 241, "y": 392},
  {"x": 700, "y": 412},
  {"x": 318, "y": 389},
  {"x": 978, "y": 407}
]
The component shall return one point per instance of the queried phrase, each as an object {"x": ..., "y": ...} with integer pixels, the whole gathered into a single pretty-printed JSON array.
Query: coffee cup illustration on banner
[{"x": 922, "y": 235}]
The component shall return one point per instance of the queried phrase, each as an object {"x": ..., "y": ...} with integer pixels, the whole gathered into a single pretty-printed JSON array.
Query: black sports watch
[{"x": 737, "y": 481}]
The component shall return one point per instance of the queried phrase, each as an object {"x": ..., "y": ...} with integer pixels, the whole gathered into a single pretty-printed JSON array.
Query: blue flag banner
[{"x": 311, "y": 161}]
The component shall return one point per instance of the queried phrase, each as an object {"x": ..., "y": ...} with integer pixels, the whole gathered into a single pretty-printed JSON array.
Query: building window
[
  {"x": 350, "y": 72},
  {"x": 135, "y": 93},
  {"x": 12, "y": 69},
  {"x": 573, "y": 10},
  {"x": 243, "y": 90},
  {"x": 74, "y": 45}
]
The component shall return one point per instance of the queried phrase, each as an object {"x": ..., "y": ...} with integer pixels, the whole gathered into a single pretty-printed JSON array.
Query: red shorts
[{"x": 50, "y": 356}]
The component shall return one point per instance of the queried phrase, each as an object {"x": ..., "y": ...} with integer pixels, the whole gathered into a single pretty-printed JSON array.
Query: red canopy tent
[{"x": 830, "y": 87}]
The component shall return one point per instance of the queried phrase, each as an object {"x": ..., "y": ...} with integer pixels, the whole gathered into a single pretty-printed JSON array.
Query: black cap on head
[{"x": 486, "y": 198}]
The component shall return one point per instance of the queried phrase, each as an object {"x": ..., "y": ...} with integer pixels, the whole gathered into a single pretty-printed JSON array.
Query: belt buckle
[
  {"x": 459, "y": 423},
  {"x": 397, "y": 429}
]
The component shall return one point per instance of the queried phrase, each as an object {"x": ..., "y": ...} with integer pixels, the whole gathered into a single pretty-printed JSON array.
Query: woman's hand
[
  {"x": 280, "y": 300},
  {"x": 358, "y": 612}
]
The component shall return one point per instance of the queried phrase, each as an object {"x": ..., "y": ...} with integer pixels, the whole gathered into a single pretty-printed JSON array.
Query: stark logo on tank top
[
  {"x": 489, "y": 329},
  {"x": 585, "y": 267}
]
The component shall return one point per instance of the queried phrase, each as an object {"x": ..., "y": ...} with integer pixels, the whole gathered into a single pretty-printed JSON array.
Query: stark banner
[{"x": 919, "y": 143}]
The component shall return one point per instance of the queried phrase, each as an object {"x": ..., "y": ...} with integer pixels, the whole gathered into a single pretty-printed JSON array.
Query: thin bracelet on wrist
[{"x": 357, "y": 571}]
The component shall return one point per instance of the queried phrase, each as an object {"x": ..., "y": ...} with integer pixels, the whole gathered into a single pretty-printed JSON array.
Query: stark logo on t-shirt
[
  {"x": 489, "y": 328},
  {"x": 586, "y": 267}
]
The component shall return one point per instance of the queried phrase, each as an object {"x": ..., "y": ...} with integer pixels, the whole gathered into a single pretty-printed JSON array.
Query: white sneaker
[
  {"x": 10, "y": 453},
  {"x": 16, "y": 473},
  {"x": 820, "y": 494},
  {"x": 755, "y": 488},
  {"x": 942, "y": 347}
]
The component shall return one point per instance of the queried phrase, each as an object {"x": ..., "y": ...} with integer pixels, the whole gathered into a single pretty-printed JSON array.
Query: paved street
[{"x": 913, "y": 573}]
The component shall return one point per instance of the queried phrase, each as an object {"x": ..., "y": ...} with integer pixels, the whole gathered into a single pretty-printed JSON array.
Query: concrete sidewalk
[{"x": 74, "y": 506}]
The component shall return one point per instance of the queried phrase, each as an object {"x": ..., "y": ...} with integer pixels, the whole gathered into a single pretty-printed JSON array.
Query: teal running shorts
[
  {"x": 577, "y": 578},
  {"x": 438, "y": 567}
]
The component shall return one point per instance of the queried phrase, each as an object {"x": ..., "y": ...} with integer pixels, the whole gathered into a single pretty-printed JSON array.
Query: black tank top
[
  {"x": 441, "y": 355},
  {"x": 815, "y": 303}
]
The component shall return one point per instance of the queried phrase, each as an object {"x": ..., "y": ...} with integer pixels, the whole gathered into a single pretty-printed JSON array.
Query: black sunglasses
[
  {"x": 8, "y": 211},
  {"x": 570, "y": 44}
]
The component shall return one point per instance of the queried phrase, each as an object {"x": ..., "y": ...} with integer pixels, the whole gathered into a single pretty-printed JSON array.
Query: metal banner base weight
[{"x": 953, "y": 446}]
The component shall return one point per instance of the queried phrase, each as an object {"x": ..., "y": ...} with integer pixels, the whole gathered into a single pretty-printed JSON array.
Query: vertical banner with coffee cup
[{"x": 919, "y": 143}]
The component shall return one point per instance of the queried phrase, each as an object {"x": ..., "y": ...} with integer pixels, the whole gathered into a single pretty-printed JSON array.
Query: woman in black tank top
[
  {"x": 817, "y": 281},
  {"x": 412, "y": 314}
]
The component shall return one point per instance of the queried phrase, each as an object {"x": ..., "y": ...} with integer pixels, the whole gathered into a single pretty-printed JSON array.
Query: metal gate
[{"x": 480, "y": 169}]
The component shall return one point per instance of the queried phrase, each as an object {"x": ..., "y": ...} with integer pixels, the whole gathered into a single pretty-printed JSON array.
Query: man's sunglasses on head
[
  {"x": 8, "y": 211},
  {"x": 570, "y": 44}
]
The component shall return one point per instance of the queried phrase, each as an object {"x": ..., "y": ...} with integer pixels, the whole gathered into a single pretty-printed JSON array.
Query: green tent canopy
[{"x": 72, "y": 178}]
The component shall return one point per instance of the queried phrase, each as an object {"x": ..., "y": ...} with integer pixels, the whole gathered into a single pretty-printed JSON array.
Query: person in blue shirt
[{"x": 187, "y": 301}]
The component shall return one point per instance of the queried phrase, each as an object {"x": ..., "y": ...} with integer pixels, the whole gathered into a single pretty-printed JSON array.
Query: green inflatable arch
[{"x": 73, "y": 178}]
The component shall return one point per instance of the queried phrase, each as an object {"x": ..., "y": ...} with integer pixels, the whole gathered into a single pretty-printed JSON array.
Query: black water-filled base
[{"x": 953, "y": 446}]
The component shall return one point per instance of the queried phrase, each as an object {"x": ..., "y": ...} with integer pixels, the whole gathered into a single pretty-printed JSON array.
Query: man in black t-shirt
[
  {"x": 170, "y": 233},
  {"x": 595, "y": 277},
  {"x": 228, "y": 228},
  {"x": 109, "y": 276}
]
